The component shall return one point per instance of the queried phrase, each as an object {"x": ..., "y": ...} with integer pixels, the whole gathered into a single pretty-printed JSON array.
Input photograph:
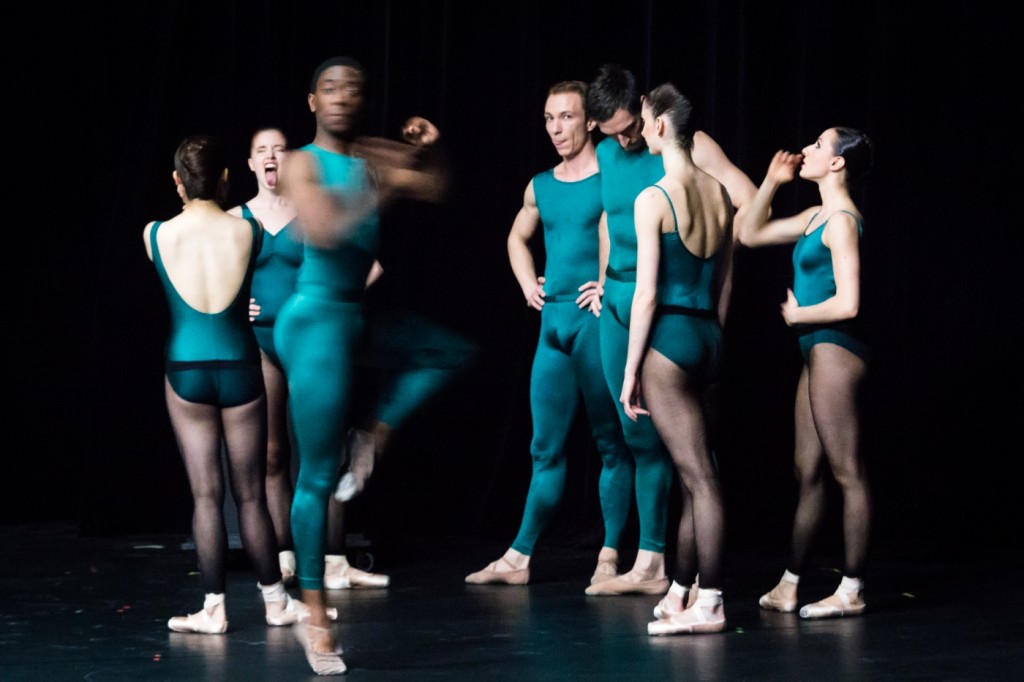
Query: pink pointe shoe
[
  {"x": 204, "y": 622},
  {"x": 842, "y": 603},
  {"x": 706, "y": 615},
  {"x": 665, "y": 608}
]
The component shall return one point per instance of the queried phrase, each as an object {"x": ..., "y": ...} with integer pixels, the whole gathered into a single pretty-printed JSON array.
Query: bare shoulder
[{"x": 648, "y": 195}]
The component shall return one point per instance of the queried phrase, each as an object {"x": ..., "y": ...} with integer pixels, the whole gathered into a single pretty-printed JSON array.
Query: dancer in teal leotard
[
  {"x": 214, "y": 388},
  {"x": 273, "y": 282},
  {"x": 336, "y": 184},
  {"x": 567, "y": 365},
  {"x": 684, "y": 243},
  {"x": 822, "y": 307},
  {"x": 613, "y": 100}
]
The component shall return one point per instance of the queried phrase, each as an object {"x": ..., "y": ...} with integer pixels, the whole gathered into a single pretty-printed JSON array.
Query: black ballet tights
[
  {"x": 827, "y": 422},
  {"x": 676, "y": 400},
  {"x": 199, "y": 430}
]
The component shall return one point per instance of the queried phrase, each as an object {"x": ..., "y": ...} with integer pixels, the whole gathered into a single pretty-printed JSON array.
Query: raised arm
[
  {"x": 710, "y": 158},
  {"x": 647, "y": 215},
  {"x": 752, "y": 225},
  {"x": 413, "y": 169},
  {"x": 519, "y": 255}
]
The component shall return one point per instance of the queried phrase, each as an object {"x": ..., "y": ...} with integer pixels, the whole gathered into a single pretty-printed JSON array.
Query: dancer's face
[
  {"x": 566, "y": 123},
  {"x": 625, "y": 128},
  {"x": 649, "y": 130},
  {"x": 265, "y": 157},
  {"x": 820, "y": 158},
  {"x": 338, "y": 100}
]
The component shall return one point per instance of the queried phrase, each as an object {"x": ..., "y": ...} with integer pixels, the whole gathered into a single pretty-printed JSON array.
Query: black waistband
[
  {"x": 620, "y": 275},
  {"x": 560, "y": 298},
  {"x": 683, "y": 310},
  {"x": 179, "y": 365}
]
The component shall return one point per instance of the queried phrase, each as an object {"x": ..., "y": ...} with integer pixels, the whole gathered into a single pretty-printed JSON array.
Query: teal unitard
[
  {"x": 567, "y": 364},
  {"x": 317, "y": 336},
  {"x": 624, "y": 175}
]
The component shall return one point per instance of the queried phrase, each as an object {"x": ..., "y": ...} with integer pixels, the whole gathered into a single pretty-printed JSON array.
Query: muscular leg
[
  {"x": 553, "y": 404},
  {"x": 245, "y": 438},
  {"x": 653, "y": 466},
  {"x": 197, "y": 428},
  {"x": 836, "y": 376},
  {"x": 615, "y": 485},
  {"x": 316, "y": 342},
  {"x": 279, "y": 474}
]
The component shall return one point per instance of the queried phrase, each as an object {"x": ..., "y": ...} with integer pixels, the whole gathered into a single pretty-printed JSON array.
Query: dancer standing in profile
[
  {"x": 684, "y": 246},
  {"x": 823, "y": 308},
  {"x": 613, "y": 101}
]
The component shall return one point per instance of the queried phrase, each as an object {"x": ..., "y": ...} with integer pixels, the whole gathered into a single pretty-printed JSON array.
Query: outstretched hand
[{"x": 420, "y": 132}]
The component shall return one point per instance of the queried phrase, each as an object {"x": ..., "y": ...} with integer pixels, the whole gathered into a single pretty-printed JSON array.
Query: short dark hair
[
  {"x": 339, "y": 60},
  {"x": 614, "y": 88},
  {"x": 200, "y": 163},
  {"x": 857, "y": 150},
  {"x": 666, "y": 101}
]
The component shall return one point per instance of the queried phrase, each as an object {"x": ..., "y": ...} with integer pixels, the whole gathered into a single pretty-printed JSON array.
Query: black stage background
[{"x": 108, "y": 93}]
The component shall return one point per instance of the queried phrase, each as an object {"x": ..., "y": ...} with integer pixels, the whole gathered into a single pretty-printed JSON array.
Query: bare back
[
  {"x": 206, "y": 254},
  {"x": 702, "y": 209}
]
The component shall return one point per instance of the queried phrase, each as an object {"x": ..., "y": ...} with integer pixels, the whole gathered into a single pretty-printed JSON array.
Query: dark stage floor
[{"x": 86, "y": 608}]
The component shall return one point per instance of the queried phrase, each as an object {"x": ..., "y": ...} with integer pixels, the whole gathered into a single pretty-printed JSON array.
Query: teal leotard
[
  {"x": 813, "y": 282},
  {"x": 212, "y": 358},
  {"x": 277, "y": 266},
  {"x": 686, "y": 328},
  {"x": 567, "y": 364},
  {"x": 624, "y": 174},
  {"x": 317, "y": 334}
]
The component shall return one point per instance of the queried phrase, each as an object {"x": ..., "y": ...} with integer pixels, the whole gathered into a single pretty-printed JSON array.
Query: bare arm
[
  {"x": 376, "y": 270},
  {"x": 710, "y": 158},
  {"x": 145, "y": 238},
  {"x": 842, "y": 238},
  {"x": 414, "y": 169},
  {"x": 603, "y": 249},
  {"x": 519, "y": 255},
  {"x": 723, "y": 271},
  {"x": 647, "y": 217},
  {"x": 753, "y": 227}
]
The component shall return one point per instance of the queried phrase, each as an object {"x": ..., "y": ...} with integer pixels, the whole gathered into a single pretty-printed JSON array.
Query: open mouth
[{"x": 270, "y": 173}]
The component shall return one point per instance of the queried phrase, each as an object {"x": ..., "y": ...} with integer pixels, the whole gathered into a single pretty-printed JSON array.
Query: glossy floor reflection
[{"x": 86, "y": 608}]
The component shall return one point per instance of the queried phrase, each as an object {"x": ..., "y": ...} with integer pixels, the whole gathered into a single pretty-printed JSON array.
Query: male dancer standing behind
[
  {"x": 627, "y": 167},
  {"x": 567, "y": 200}
]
